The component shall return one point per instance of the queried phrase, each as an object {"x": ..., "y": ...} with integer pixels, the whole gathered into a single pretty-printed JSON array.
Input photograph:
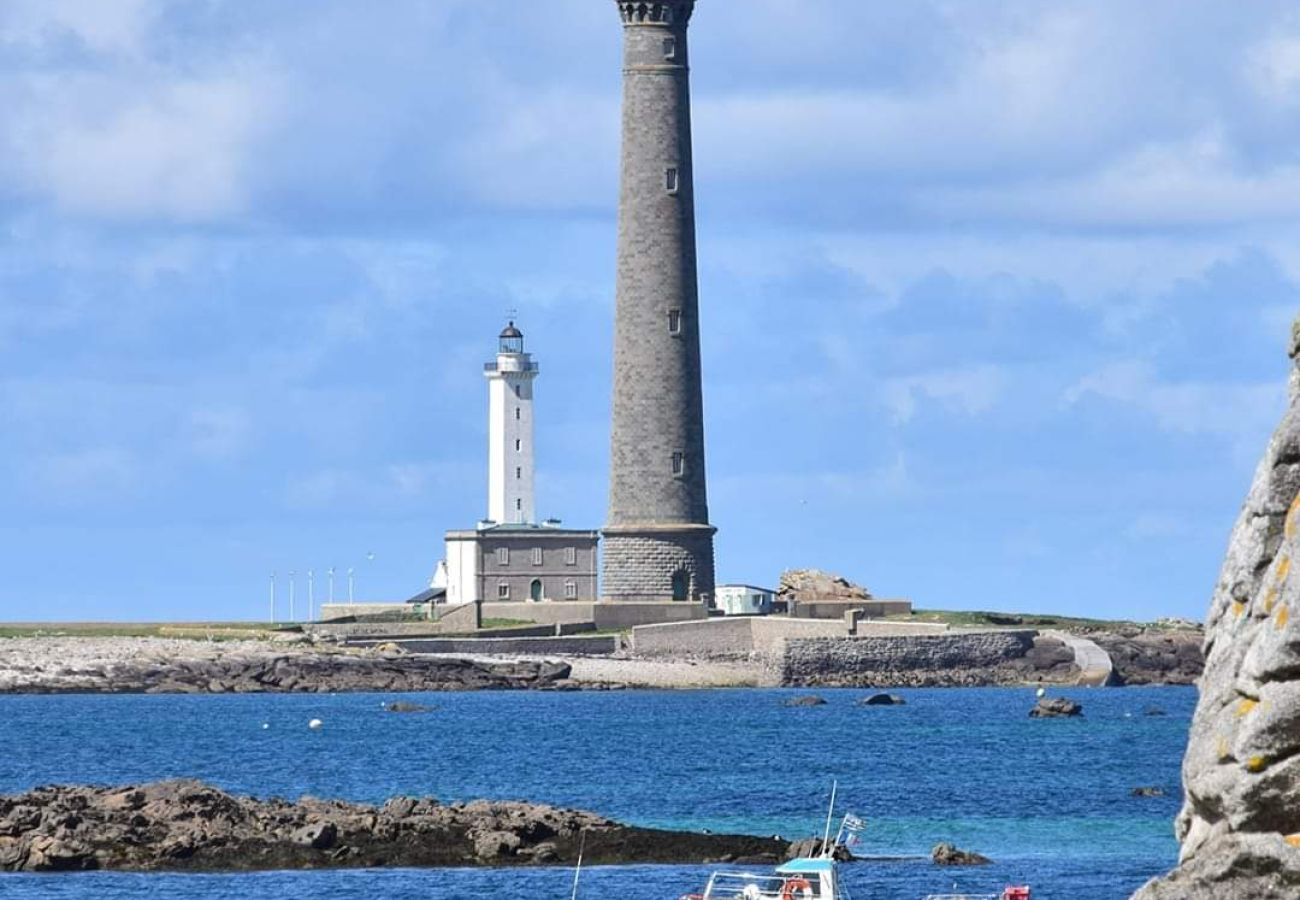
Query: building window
[
  {"x": 519, "y": 472},
  {"x": 674, "y": 321},
  {"x": 670, "y": 48},
  {"x": 570, "y": 590},
  {"x": 537, "y": 556},
  {"x": 519, "y": 445},
  {"x": 679, "y": 462},
  {"x": 517, "y": 389},
  {"x": 670, "y": 179},
  {"x": 519, "y": 504},
  {"x": 570, "y": 556},
  {"x": 516, "y": 414},
  {"x": 503, "y": 590},
  {"x": 503, "y": 556}
]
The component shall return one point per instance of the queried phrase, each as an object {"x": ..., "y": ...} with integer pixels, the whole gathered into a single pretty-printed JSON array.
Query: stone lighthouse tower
[
  {"x": 658, "y": 540},
  {"x": 510, "y": 431}
]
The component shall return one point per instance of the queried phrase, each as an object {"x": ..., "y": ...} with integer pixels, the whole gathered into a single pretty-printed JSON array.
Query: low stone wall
[
  {"x": 595, "y": 645},
  {"x": 347, "y": 630},
  {"x": 610, "y": 615},
  {"x": 769, "y": 635},
  {"x": 363, "y": 610},
  {"x": 766, "y": 636},
  {"x": 950, "y": 659},
  {"x": 712, "y": 638},
  {"x": 552, "y": 613},
  {"x": 835, "y": 609},
  {"x": 900, "y": 629},
  {"x": 607, "y": 615}
]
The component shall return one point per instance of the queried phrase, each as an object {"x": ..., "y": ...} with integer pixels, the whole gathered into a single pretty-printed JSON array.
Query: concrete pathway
[{"x": 1095, "y": 666}]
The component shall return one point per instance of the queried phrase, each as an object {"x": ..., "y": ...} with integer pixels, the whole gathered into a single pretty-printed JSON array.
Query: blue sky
[{"x": 994, "y": 295}]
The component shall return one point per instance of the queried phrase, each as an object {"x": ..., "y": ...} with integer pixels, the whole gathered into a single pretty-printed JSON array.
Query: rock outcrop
[
  {"x": 187, "y": 825},
  {"x": 1153, "y": 656},
  {"x": 814, "y": 584},
  {"x": 92, "y": 666},
  {"x": 1055, "y": 708},
  {"x": 882, "y": 700},
  {"x": 948, "y": 855},
  {"x": 1240, "y": 824}
]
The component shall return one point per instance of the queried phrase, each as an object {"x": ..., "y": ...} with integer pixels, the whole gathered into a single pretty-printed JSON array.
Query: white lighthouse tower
[{"x": 510, "y": 431}]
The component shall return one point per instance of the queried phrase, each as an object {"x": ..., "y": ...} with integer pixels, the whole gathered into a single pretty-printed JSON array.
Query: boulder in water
[
  {"x": 1055, "y": 708},
  {"x": 946, "y": 854},
  {"x": 805, "y": 701},
  {"x": 882, "y": 700}
]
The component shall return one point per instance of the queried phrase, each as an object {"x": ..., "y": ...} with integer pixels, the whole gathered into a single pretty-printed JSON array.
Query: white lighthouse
[{"x": 510, "y": 431}]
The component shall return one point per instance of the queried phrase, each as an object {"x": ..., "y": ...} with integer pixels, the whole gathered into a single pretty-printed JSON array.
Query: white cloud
[
  {"x": 219, "y": 433},
  {"x": 1157, "y": 526},
  {"x": 176, "y": 151},
  {"x": 1223, "y": 409},
  {"x": 88, "y": 475},
  {"x": 970, "y": 391},
  {"x": 1273, "y": 67},
  {"x": 105, "y": 26}
]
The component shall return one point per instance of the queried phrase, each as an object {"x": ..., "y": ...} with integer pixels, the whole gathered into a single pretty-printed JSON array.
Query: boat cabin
[{"x": 799, "y": 879}]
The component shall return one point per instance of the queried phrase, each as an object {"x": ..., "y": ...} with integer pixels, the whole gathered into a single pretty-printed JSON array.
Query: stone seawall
[{"x": 1002, "y": 657}]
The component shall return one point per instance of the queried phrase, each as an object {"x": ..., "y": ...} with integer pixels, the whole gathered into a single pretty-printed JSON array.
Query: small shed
[{"x": 743, "y": 600}]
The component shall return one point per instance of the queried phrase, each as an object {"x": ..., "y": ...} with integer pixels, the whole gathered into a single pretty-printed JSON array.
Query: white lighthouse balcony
[{"x": 506, "y": 365}]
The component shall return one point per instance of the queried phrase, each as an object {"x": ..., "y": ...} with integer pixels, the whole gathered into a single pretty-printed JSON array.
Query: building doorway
[
  {"x": 535, "y": 590},
  {"x": 681, "y": 585}
]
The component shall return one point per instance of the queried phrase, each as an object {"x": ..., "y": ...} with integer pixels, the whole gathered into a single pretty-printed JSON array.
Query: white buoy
[
  {"x": 315, "y": 724},
  {"x": 1042, "y": 691},
  {"x": 266, "y": 725}
]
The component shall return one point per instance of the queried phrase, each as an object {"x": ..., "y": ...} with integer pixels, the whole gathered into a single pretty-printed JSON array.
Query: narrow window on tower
[
  {"x": 519, "y": 505},
  {"x": 516, "y": 414},
  {"x": 670, "y": 179},
  {"x": 674, "y": 321},
  {"x": 679, "y": 463},
  {"x": 519, "y": 444},
  {"x": 537, "y": 556},
  {"x": 570, "y": 556},
  {"x": 670, "y": 48},
  {"x": 517, "y": 389},
  {"x": 519, "y": 472}
]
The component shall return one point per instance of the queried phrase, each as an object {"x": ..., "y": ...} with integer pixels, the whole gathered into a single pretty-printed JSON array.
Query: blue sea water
[{"x": 1049, "y": 800}]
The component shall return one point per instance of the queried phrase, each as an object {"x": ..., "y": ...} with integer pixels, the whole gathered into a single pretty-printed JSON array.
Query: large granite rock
[
  {"x": 1240, "y": 824},
  {"x": 187, "y": 825},
  {"x": 814, "y": 584}
]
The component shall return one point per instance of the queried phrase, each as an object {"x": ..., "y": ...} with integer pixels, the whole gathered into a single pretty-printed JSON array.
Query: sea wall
[
  {"x": 994, "y": 657},
  {"x": 576, "y": 645}
]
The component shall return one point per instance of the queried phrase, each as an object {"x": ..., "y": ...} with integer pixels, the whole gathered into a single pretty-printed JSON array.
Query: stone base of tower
[{"x": 657, "y": 563}]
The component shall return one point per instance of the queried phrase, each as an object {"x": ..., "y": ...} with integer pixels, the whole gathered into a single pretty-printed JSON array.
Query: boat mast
[
  {"x": 577, "y": 872},
  {"x": 830, "y": 814}
]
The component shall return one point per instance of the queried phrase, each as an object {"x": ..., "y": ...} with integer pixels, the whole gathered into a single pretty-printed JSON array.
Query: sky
[{"x": 994, "y": 296}]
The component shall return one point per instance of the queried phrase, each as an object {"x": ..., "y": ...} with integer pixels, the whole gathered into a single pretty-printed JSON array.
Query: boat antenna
[
  {"x": 830, "y": 814},
  {"x": 577, "y": 873}
]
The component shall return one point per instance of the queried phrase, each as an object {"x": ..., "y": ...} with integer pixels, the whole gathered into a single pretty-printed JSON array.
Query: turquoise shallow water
[{"x": 1048, "y": 800}]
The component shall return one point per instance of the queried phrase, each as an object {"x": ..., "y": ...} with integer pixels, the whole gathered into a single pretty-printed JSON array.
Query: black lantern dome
[{"x": 512, "y": 339}]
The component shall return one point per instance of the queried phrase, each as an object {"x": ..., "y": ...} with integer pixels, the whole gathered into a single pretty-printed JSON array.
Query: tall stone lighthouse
[{"x": 658, "y": 540}]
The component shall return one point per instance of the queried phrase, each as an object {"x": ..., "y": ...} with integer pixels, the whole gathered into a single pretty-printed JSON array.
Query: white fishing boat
[
  {"x": 814, "y": 877},
  {"x": 803, "y": 878}
]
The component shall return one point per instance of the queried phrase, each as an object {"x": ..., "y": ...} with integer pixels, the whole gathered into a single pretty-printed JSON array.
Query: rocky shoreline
[
  {"x": 191, "y": 826},
  {"x": 157, "y": 666}
]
